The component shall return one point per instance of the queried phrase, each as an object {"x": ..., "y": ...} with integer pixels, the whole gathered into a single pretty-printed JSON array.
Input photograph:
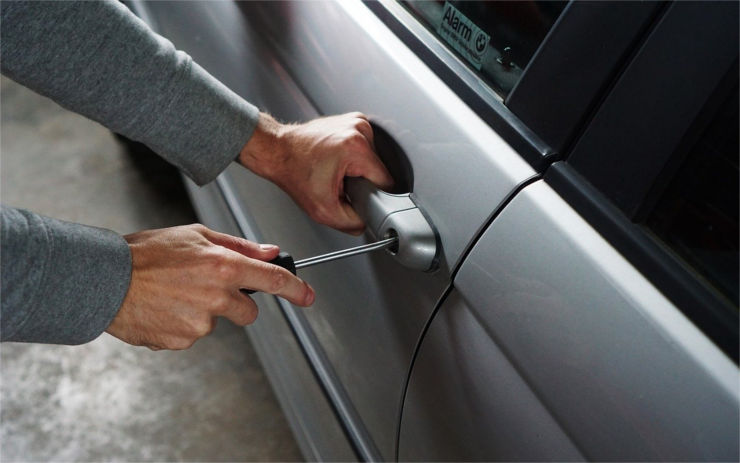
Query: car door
[
  {"x": 302, "y": 60},
  {"x": 596, "y": 318}
]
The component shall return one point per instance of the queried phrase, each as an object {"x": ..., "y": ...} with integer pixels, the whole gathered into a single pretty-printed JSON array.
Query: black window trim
[
  {"x": 622, "y": 224},
  {"x": 557, "y": 94},
  {"x": 468, "y": 86},
  {"x": 485, "y": 102},
  {"x": 620, "y": 164}
]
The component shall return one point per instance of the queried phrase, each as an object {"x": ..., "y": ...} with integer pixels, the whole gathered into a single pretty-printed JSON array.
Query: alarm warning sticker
[{"x": 463, "y": 35}]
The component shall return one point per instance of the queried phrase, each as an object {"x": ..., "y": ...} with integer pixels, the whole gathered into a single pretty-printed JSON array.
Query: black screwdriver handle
[{"x": 283, "y": 260}]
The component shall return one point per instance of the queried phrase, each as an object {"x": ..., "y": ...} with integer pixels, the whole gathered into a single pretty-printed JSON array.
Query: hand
[
  {"x": 183, "y": 277},
  {"x": 309, "y": 162}
]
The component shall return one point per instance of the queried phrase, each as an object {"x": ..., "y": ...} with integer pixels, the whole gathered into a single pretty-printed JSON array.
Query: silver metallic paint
[
  {"x": 620, "y": 368},
  {"x": 466, "y": 402},
  {"x": 286, "y": 57}
]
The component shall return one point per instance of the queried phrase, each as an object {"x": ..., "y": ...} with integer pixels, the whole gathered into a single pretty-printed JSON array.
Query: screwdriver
[{"x": 286, "y": 261}]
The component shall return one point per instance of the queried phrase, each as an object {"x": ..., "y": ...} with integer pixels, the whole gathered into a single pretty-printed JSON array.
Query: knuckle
[
  {"x": 224, "y": 270},
  {"x": 198, "y": 227},
  {"x": 319, "y": 215},
  {"x": 221, "y": 304},
  {"x": 183, "y": 344},
  {"x": 223, "y": 266},
  {"x": 247, "y": 244},
  {"x": 362, "y": 124},
  {"x": 179, "y": 343},
  {"x": 252, "y": 314},
  {"x": 200, "y": 328},
  {"x": 322, "y": 215},
  {"x": 352, "y": 139},
  {"x": 277, "y": 279},
  {"x": 153, "y": 346},
  {"x": 249, "y": 315},
  {"x": 357, "y": 139},
  {"x": 206, "y": 325}
]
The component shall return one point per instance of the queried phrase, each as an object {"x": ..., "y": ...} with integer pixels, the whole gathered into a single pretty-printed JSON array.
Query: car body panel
[
  {"x": 621, "y": 370},
  {"x": 467, "y": 402}
]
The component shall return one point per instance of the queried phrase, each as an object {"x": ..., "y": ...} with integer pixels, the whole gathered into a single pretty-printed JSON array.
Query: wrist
[{"x": 266, "y": 150}]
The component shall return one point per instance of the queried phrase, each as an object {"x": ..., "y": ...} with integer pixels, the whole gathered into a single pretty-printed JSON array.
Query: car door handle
[{"x": 388, "y": 215}]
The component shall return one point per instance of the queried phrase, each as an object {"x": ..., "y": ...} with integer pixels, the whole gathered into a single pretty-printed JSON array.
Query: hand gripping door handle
[{"x": 387, "y": 215}]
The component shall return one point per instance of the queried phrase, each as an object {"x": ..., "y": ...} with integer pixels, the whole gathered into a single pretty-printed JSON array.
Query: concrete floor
[{"x": 106, "y": 400}]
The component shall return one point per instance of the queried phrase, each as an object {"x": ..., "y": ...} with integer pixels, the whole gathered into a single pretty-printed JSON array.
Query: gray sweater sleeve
[
  {"x": 98, "y": 59},
  {"x": 62, "y": 282}
]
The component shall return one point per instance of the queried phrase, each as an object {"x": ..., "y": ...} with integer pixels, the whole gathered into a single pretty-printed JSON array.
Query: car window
[
  {"x": 697, "y": 214},
  {"x": 495, "y": 39}
]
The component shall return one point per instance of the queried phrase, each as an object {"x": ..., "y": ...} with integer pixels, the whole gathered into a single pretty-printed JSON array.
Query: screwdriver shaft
[{"x": 345, "y": 253}]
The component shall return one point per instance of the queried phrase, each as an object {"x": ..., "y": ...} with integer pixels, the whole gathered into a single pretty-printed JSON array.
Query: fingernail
[
  {"x": 267, "y": 247},
  {"x": 311, "y": 295}
]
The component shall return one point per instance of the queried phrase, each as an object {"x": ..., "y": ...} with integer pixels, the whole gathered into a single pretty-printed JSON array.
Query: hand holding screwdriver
[
  {"x": 286, "y": 261},
  {"x": 184, "y": 277}
]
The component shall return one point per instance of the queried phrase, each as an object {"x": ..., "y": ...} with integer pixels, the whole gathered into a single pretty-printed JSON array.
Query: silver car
[{"x": 565, "y": 285}]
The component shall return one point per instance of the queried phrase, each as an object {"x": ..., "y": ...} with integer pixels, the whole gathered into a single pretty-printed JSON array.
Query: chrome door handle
[{"x": 387, "y": 215}]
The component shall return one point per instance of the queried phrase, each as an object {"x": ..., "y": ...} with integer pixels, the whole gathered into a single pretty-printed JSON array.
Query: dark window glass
[
  {"x": 496, "y": 39},
  {"x": 697, "y": 215}
]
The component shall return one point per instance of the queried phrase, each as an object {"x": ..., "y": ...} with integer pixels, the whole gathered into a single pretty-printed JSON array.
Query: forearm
[
  {"x": 98, "y": 59},
  {"x": 62, "y": 283}
]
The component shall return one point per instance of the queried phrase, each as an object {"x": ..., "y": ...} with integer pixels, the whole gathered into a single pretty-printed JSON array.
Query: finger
[
  {"x": 340, "y": 215},
  {"x": 357, "y": 115},
  {"x": 244, "y": 247},
  {"x": 343, "y": 218},
  {"x": 364, "y": 127},
  {"x": 352, "y": 223},
  {"x": 242, "y": 310},
  {"x": 273, "y": 279},
  {"x": 179, "y": 343},
  {"x": 369, "y": 166}
]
